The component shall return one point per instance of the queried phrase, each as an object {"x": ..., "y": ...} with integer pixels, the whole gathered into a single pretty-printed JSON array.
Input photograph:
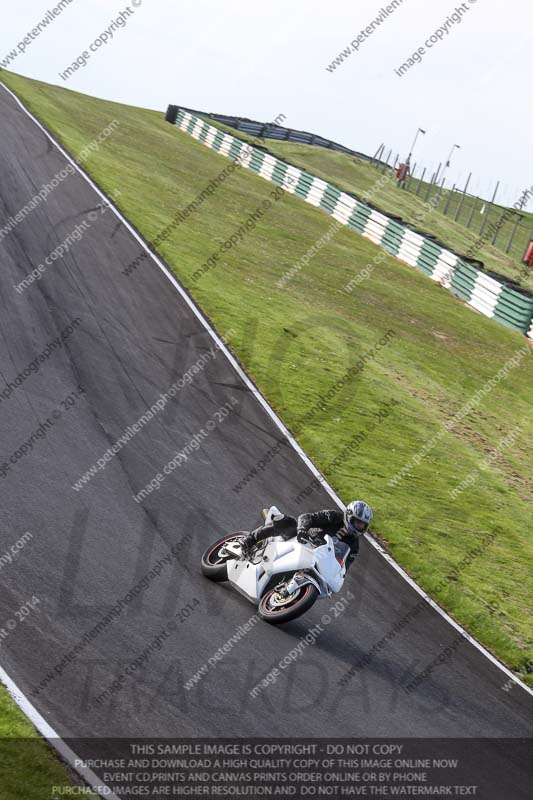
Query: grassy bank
[
  {"x": 439, "y": 355},
  {"x": 363, "y": 179}
]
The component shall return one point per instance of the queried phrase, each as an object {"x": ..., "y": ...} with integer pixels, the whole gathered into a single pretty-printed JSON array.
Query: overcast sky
[{"x": 259, "y": 60}]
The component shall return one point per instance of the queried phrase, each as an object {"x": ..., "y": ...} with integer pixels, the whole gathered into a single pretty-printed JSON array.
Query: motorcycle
[{"x": 284, "y": 577}]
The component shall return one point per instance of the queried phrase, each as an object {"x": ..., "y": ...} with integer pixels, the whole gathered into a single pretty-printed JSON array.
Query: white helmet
[{"x": 357, "y": 517}]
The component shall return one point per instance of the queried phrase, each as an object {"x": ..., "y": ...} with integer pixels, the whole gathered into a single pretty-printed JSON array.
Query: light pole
[
  {"x": 420, "y": 130},
  {"x": 447, "y": 163}
]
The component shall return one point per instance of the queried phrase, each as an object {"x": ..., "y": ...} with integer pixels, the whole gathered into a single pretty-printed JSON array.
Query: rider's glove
[
  {"x": 313, "y": 536},
  {"x": 247, "y": 543}
]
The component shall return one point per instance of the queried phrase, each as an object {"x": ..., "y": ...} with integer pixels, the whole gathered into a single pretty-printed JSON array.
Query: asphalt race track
[{"x": 136, "y": 336}]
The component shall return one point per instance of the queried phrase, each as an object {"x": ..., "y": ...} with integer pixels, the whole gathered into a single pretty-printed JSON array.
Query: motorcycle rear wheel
[
  {"x": 276, "y": 610},
  {"x": 214, "y": 566}
]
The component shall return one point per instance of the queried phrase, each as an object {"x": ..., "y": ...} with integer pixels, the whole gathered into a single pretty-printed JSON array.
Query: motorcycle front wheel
[
  {"x": 276, "y": 608},
  {"x": 214, "y": 563}
]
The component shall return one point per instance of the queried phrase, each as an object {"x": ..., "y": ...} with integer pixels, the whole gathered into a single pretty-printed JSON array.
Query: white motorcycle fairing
[{"x": 282, "y": 556}]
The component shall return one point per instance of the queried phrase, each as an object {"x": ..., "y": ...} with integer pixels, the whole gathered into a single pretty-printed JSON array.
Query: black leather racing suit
[{"x": 312, "y": 526}]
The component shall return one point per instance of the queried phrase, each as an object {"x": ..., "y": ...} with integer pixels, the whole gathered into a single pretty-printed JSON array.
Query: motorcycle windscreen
[
  {"x": 329, "y": 568},
  {"x": 342, "y": 551}
]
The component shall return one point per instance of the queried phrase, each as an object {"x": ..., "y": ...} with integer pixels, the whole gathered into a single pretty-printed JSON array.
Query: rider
[{"x": 347, "y": 526}]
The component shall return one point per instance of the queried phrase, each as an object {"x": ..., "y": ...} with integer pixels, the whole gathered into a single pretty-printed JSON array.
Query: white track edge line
[
  {"x": 17, "y": 695},
  {"x": 51, "y": 736}
]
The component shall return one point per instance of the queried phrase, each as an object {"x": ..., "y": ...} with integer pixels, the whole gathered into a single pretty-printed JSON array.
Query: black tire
[
  {"x": 213, "y": 567},
  {"x": 306, "y": 597}
]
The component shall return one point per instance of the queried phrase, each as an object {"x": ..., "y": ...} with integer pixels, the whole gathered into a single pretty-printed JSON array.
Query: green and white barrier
[{"x": 475, "y": 288}]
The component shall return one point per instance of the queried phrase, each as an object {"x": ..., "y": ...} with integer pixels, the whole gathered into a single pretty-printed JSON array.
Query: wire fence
[{"x": 508, "y": 229}]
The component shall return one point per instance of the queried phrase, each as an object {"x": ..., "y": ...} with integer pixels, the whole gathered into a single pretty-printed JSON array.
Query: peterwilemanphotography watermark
[
  {"x": 67, "y": 171},
  {"x": 39, "y": 28},
  {"x": 366, "y": 33},
  {"x": 7, "y": 558}
]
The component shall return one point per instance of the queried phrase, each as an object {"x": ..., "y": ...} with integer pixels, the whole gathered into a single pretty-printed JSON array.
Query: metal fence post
[
  {"x": 447, "y": 206},
  {"x": 486, "y": 219},
  {"x": 420, "y": 182},
  {"x": 498, "y": 227},
  {"x": 377, "y": 154},
  {"x": 440, "y": 191},
  {"x": 473, "y": 208},
  {"x": 430, "y": 184},
  {"x": 518, "y": 220},
  {"x": 460, "y": 205}
]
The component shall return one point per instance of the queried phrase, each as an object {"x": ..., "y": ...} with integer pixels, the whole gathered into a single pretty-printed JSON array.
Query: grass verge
[{"x": 29, "y": 768}]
